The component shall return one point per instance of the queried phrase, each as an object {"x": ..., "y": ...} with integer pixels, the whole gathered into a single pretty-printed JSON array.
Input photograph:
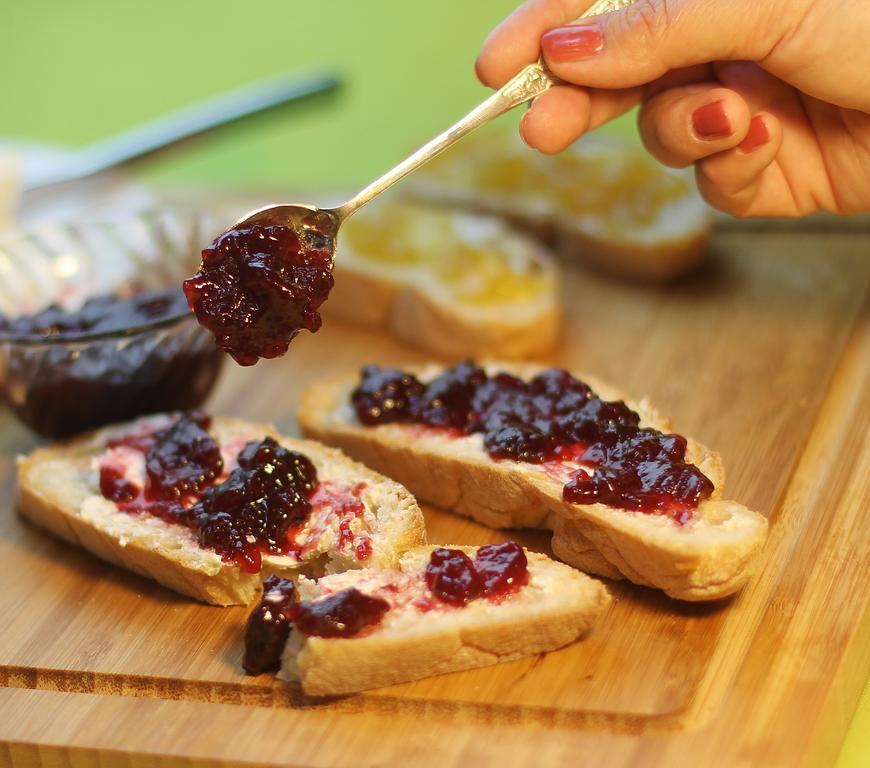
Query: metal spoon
[{"x": 531, "y": 82}]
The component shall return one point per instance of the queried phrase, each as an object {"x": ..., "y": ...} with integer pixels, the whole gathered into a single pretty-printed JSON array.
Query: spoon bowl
[
  {"x": 318, "y": 227},
  {"x": 290, "y": 215}
]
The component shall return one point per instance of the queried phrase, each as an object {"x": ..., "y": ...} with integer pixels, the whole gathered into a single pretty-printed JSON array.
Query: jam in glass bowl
[{"x": 94, "y": 327}]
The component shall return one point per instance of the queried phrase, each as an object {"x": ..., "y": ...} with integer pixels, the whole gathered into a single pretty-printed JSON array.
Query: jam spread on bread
[
  {"x": 253, "y": 510},
  {"x": 451, "y": 579},
  {"x": 344, "y": 614},
  {"x": 257, "y": 287},
  {"x": 268, "y": 626},
  {"x": 544, "y": 420},
  {"x": 180, "y": 461},
  {"x": 184, "y": 459},
  {"x": 249, "y": 513},
  {"x": 264, "y": 505},
  {"x": 497, "y": 570},
  {"x": 503, "y": 568},
  {"x": 386, "y": 395}
]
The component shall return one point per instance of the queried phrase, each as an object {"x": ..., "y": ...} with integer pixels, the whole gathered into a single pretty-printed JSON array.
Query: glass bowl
[{"x": 65, "y": 383}]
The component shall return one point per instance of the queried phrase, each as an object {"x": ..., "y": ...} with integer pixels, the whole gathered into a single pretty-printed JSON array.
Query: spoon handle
[{"x": 529, "y": 83}]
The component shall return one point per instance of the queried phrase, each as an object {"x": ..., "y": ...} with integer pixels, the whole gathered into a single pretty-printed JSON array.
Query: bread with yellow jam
[
  {"x": 603, "y": 202},
  {"x": 456, "y": 284}
]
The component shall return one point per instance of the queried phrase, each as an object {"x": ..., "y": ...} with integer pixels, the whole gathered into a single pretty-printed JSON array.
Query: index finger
[{"x": 517, "y": 40}]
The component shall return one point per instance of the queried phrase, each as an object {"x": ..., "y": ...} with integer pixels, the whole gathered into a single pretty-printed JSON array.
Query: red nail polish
[
  {"x": 711, "y": 122},
  {"x": 572, "y": 43},
  {"x": 757, "y": 136}
]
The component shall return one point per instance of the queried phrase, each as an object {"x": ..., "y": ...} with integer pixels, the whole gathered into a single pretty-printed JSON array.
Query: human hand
[{"x": 768, "y": 98}]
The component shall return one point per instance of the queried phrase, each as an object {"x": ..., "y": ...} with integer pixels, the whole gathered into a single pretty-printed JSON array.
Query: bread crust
[
  {"x": 436, "y": 643},
  {"x": 707, "y": 558},
  {"x": 660, "y": 262},
  {"x": 58, "y": 491}
]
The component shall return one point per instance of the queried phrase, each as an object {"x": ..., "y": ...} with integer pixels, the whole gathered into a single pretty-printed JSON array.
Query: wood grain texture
[{"x": 764, "y": 356}]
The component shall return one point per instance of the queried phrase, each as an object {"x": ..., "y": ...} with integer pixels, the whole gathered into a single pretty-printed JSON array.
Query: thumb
[{"x": 641, "y": 42}]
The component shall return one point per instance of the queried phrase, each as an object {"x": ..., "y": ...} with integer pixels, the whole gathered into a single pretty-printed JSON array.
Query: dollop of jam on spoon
[{"x": 263, "y": 280}]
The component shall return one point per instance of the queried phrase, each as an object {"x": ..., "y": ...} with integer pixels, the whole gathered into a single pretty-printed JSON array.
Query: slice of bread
[
  {"x": 602, "y": 202},
  {"x": 556, "y": 607},
  {"x": 456, "y": 284},
  {"x": 706, "y": 558},
  {"x": 58, "y": 490}
]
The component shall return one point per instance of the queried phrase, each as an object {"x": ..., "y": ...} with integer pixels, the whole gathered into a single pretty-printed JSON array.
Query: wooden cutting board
[{"x": 764, "y": 355}]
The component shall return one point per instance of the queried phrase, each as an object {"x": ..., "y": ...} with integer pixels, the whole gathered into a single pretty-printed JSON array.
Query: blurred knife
[{"x": 175, "y": 127}]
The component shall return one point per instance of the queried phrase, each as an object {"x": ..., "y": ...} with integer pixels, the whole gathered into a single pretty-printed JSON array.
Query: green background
[
  {"x": 79, "y": 70},
  {"x": 74, "y": 71}
]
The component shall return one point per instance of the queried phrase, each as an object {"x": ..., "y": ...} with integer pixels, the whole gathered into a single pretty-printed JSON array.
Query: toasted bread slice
[
  {"x": 58, "y": 490},
  {"x": 602, "y": 202},
  {"x": 456, "y": 284},
  {"x": 706, "y": 558},
  {"x": 555, "y": 608}
]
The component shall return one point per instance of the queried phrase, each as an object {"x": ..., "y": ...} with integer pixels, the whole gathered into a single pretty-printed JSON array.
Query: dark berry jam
[
  {"x": 646, "y": 473},
  {"x": 184, "y": 460},
  {"x": 268, "y": 626},
  {"x": 452, "y": 577},
  {"x": 344, "y": 614},
  {"x": 546, "y": 419},
  {"x": 497, "y": 570},
  {"x": 99, "y": 314},
  {"x": 180, "y": 461},
  {"x": 65, "y": 381},
  {"x": 253, "y": 510},
  {"x": 115, "y": 487},
  {"x": 386, "y": 395},
  {"x": 503, "y": 568},
  {"x": 259, "y": 286},
  {"x": 447, "y": 400}
]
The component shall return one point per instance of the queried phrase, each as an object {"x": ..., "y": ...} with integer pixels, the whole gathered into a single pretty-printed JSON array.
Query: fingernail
[
  {"x": 572, "y": 43},
  {"x": 711, "y": 122},
  {"x": 757, "y": 136}
]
